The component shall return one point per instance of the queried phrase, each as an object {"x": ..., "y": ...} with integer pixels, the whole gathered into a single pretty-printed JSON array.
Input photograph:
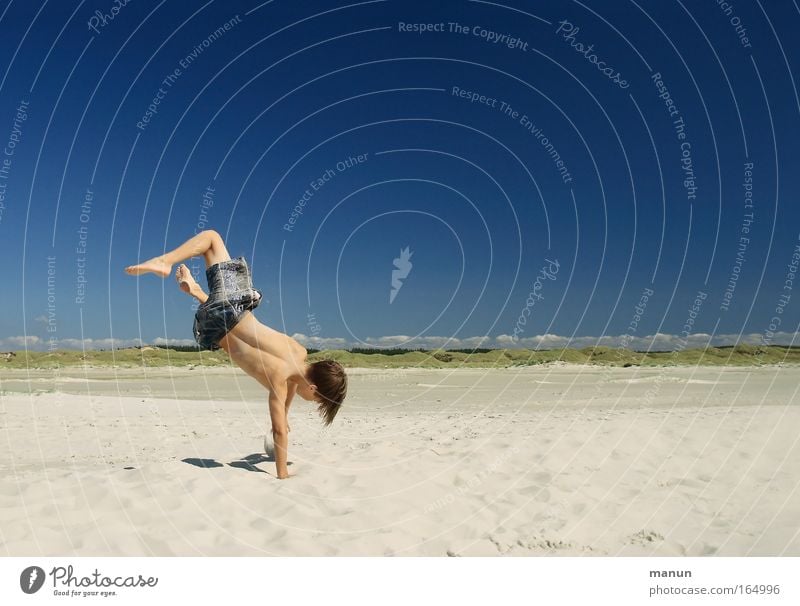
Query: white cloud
[
  {"x": 390, "y": 341},
  {"x": 25, "y": 342},
  {"x": 165, "y": 342},
  {"x": 471, "y": 342},
  {"x": 321, "y": 342},
  {"x": 655, "y": 342}
]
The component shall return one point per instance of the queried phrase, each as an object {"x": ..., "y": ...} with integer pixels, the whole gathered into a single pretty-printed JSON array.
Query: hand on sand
[{"x": 156, "y": 265}]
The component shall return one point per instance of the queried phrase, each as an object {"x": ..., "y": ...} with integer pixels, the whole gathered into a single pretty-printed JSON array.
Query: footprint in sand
[
  {"x": 360, "y": 446},
  {"x": 708, "y": 549},
  {"x": 538, "y": 493},
  {"x": 542, "y": 477},
  {"x": 687, "y": 482},
  {"x": 268, "y": 528},
  {"x": 536, "y": 543},
  {"x": 645, "y": 537},
  {"x": 578, "y": 508},
  {"x": 617, "y": 455}
]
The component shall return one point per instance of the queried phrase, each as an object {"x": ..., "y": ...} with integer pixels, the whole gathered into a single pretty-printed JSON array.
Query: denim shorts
[{"x": 231, "y": 294}]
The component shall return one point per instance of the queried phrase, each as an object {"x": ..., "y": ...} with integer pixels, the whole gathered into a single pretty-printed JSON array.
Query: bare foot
[
  {"x": 156, "y": 265},
  {"x": 186, "y": 281}
]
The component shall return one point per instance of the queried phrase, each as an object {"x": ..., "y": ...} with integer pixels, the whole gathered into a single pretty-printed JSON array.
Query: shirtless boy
[{"x": 225, "y": 320}]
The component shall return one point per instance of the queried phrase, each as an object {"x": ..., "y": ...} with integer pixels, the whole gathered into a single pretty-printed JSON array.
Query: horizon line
[{"x": 646, "y": 343}]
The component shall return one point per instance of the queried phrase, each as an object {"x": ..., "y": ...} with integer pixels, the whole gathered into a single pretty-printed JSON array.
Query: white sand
[{"x": 536, "y": 461}]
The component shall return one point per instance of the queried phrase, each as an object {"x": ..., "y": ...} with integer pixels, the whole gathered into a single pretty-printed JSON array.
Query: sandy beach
[{"x": 548, "y": 460}]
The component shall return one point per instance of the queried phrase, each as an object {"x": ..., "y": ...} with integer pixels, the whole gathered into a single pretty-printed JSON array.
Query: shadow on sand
[{"x": 248, "y": 463}]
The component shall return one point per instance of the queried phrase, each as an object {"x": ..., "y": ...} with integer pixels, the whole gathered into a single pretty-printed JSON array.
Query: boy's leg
[
  {"x": 207, "y": 243},
  {"x": 246, "y": 357},
  {"x": 188, "y": 284},
  {"x": 262, "y": 337}
]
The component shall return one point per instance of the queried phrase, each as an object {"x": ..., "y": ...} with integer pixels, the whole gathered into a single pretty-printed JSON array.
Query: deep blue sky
[{"x": 293, "y": 88}]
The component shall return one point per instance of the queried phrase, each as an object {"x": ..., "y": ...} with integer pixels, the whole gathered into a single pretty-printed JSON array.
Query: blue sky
[{"x": 501, "y": 139}]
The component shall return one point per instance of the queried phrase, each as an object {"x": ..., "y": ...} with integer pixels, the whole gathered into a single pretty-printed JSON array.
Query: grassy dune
[{"x": 740, "y": 355}]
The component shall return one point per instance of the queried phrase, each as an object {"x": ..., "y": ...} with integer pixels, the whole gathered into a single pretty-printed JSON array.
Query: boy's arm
[
  {"x": 292, "y": 389},
  {"x": 280, "y": 429}
]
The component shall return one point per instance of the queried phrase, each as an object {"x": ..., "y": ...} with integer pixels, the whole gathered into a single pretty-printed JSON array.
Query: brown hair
[{"x": 331, "y": 382}]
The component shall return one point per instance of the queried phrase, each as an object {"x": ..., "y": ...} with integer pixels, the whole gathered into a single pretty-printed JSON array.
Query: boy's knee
[
  {"x": 214, "y": 235},
  {"x": 235, "y": 349},
  {"x": 218, "y": 250}
]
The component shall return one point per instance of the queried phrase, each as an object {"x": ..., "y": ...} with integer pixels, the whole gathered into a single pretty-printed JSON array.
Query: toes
[{"x": 182, "y": 275}]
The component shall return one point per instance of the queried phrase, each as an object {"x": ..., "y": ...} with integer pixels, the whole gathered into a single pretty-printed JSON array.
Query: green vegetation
[
  {"x": 129, "y": 357},
  {"x": 740, "y": 355}
]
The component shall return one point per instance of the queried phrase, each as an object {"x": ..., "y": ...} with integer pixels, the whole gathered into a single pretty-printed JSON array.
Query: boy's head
[{"x": 328, "y": 386}]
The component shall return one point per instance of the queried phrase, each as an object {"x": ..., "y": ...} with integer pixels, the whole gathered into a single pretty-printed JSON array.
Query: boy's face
[{"x": 307, "y": 391}]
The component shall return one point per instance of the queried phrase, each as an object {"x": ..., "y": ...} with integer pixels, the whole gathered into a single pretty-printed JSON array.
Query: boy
[{"x": 225, "y": 320}]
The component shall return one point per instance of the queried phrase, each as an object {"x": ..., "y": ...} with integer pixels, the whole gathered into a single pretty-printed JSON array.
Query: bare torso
[{"x": 269, "y": 356}]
